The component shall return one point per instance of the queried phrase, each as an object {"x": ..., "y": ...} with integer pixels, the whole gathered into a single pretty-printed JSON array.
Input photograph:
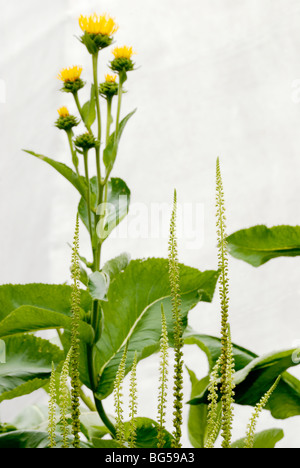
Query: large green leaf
[
  {"x": 259, "y": 244},
  {"x": 254, "y": 379},
  {"x": 36, "y": 306},
  {"x": 212, "y": 347},
  {"x": 133, "y": 312},
  {"x": 28, "y": 365},
  {"x": 77, "y": 181},
  {"x": 262, "y": 440}
]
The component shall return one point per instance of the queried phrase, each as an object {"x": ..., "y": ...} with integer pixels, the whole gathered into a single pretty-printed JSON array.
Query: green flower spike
[
  {"x": 163, "y": 379},
  {"x": 226, "y": 362},
  {"x": 64, "y": 400},
  {"x": 133, "y": 404},
  {"x": 118, "y": 395},
  {"x": 52, "y": 409},
  {"x": 249, "y": 439},
  {"x": 75, "y": 341},
  {"x": 213, "y": 422},
  {"x": 177, "y": 323}
]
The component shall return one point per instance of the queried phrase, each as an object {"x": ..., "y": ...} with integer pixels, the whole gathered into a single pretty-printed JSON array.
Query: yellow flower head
[
  {"x": 110, "y": 78},
  {"x": 123, "y": 52},
  {"x": 63, "y": 112},
  {"x": 70, "y": 74},
  {"x": 98, "y": 24}
]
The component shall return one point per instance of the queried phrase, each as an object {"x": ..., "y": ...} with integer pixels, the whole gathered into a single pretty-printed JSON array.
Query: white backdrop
[{"x": 215, "y": 78}]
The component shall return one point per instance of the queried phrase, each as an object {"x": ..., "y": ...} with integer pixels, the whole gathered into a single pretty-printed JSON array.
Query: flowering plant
[{"x": 116, "y": 314}]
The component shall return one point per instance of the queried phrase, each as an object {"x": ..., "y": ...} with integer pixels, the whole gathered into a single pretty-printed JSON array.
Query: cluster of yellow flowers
[{"x": 95, "y": 27}]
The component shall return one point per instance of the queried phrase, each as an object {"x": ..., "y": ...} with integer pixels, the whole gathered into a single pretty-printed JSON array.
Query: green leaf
[
  {"x": 116, "y": 265},
  {"x": 105, "y": 443},
  {"x": 255, "y": 379},
  {"x": 115, "y": 209},
  {"x": 89, "y": 109},
  {"x": 133, "y": 311},
  {"x": 92, "y": 426},
  {"x": 259, "y": 244},
  {"x": 146, "y": 433},
  {"x": 110, "y": 152},
  {"x": 26, "y": 439},
  {"x": 265, "y": 439},
  {"x": 98, "y": 284},
  {"x": 28, "y": 365},
  {"x": 32, "y": 307},
  {"x": 212, "y": 346},
  {"x": 77, "y": 181}
]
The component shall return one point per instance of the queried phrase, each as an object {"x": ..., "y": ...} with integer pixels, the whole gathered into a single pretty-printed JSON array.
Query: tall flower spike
[
  {"x": 118, "y": 395},
  {"x": 52, "y": 409},
  {"x": 178, "y": 329},
  {"x": 213, "y": 424},
  {"x": 75, "y": 341},
  {"x": 163, "y": 379},
  {"x": 249, "y": 439},
  {"x": 226, "y": 363},
  {"x": 133, "y": 404},
  {"x": 64, "y": 400}
]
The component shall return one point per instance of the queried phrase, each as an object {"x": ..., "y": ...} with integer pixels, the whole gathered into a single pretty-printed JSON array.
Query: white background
[{"x": 214, "y": 78}]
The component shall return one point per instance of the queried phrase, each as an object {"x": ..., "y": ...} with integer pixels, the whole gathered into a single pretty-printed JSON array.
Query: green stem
[
  {"x": 105, "y": 418},
  {"x": 95, "y": 77},
  {"x": 73, "y": 152},
  {"x": 120, "y": 92},
  {"x": 108, "y": 119},
  {"x": 86, "y": 169}
]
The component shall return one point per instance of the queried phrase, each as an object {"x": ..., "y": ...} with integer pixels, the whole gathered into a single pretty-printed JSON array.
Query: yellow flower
[
  {"x": 123, "y": 52},
  {"x": 63, "y": 112},
  {"x": 110, "y": 78},
  {"x": 70, "y": 74},
  {"x": 98, "y": 24}
]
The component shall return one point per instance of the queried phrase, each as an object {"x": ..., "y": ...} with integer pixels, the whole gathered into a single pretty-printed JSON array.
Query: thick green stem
[{"x": 105, "y": 418}]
